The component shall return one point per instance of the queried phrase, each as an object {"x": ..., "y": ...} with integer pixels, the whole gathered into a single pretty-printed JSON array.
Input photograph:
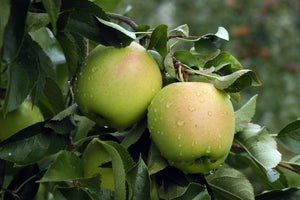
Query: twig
[
  {"x": 11, "y": 192},
  {"x": 122, "y": 18},
  {"x": 287, "y": 167}
]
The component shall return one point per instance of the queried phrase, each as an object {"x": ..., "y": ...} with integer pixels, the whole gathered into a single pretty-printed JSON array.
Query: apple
[
  {"x": 93, "y": 157},
  {"x": 192, "y": 124},
  {"x": 25, "y": 115},
  {"x": 116, "y": 85}
]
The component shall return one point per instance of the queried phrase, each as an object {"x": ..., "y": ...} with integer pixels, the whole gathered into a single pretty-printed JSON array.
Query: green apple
[
  {"x": 25, "y": 115},
  {"x": 116, "y": 85},
  {"x": 192, "y": 124},
  {"x": 93, "y": 157}
]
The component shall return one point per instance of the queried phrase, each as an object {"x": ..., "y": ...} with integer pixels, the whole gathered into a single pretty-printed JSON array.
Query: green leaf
[
  {"x": 259, "y": 145},
  {"x": 66, "y": 112},
  {"x": 237, "y": 81},
  {"x": 52, "y": 7},
  {"x": 194, "y": 191},
  {"x": 222, "y": 33},
  {"x": 244, "y": 115},
  {"x": 182, "y": 29},
  {"x": 31, "y": 144},
  {"x": 269, "y": 180},
  {"x": 15, "y": 30},
  {"x": 139, "y": 181},
  {"x": 64, "y": 126},
  {"x": 66, "y": 167},
  {"x": 118, "y": 28},
  {"x": 205, "y": 47},
  {"x": 91, "y": 182},
  {"x": 67, "y": 193},
  {"x": 122, "y": 163},
  {"x": 187, "y": 58},
  {"x": 158, "y": 39},
  {"x": 223, "y": 59},
  {"x": 169, "y": 66},
  {"x": 134, "y": 134},
  {"x": 155, "y": 161},
  {"x": 73, "y": 48},
  {"x": 4, "y": 16},
  {"x": 23, "y": 74},
  {"x": 84, "y": 125},
  {"x": 36, "y": 21},
  {"x": 54, "y": 95},
  {"x": 289, "y": 136},
  {"x": 288, "y": 194},
  {"x": 158, "y": 58},
  {"x": 230, "y": 184}
]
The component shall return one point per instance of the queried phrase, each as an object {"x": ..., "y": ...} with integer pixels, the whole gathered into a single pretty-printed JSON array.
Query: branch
[{"x": 122, "y": 18}]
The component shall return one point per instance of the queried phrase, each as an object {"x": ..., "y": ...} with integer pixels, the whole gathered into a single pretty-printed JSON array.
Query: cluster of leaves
[{"x": 47, "y": 155}]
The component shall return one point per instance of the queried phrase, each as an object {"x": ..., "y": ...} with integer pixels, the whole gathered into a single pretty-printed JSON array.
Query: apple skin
[
  {"x": 192, "y": 124},
  {"x": 18, "y": 119},
  {"x": 116, "y": 85},
  {"x": 94, "y": 156}
]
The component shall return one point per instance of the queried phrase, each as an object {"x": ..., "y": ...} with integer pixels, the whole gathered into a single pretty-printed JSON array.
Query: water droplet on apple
[
  {"x": 179, "y": 145},
  {"x": 181, "y": 154},
  {"x": 80, "y": 73},
  {"x": 198, "y": 93},
  {"x": 191, "y": 108},
  {"x": 168, "y": 105},
  {"x": 208, "y": 149},
  {"x": 204, "y": 91},
  {"x": 179, "y": 137},
  {"x": 94, "y": 69},
  {"x": 180, "y": 122},
  {"x": 162, "y": 133},
  {"x": 201, "y": 100},
  {"x": 209, "y": 113},
  {"x": 155, "y": 110}
]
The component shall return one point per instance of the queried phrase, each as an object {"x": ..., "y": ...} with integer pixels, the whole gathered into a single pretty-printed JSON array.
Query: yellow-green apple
[
  {"x": 116, "y": 85},
  {"x": 25, "y": 115},
  {"x": 192, "y": 124},
  {"x": 93, "y": 157}
]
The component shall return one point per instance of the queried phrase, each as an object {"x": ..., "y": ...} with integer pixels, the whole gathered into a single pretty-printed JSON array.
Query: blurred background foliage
[{"x": 264, "y": 37}]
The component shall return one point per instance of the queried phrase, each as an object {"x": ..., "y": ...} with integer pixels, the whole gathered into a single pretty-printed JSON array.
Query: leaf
[
  {"x": 118, "y": 28},
  {"x": 53, "y": 8},
  {"x": 187, "y": 58},
  {"x": 231, "y": 184},
  {"x": 222, "y": 59},
  {"x": 122, "y": 163},
  {"x": 66, "y": 112},
  {"x": 66, "y": 167},
  {"x": 289, "y": 136},
  {"x": 259, "y": 145},
  {"x": 73, "y": 48},
  {"x": 237, "y": 81},
  {"x": 155, "y": 161},
  {"x": 194, "y": 191},
  {"x": 169, "y": 66},
  {"x": 23, "y": 74},
  {"x": 182, "y": 29},
  {"x": 14, "y": 30},
  {"x": 24, "y": 183},
  {"x": 134, "y": 134},
  {"x": 244, "y": 115},
  {"x": 64, "y": 126},
  {"x": 158, "y": 58},
  {"x": 139, "y": 181},
  {"x": 54, "y": 95},
  {"x": 36, "y": 21},
  {"x": 84, "y": 125},
  {"x": 288, "y": 194},
  {"x": 31, "y": 144},
  {"x": 205, "y": 47},
  {"x": 222, "y": 33},
  {"x": 158, "y": 39},
  {"x": 74, "y": 193},
  {"x": 91, "y": 182},
  {"x": 4, "y": 17},
  {"x": 243, "y": 160}
]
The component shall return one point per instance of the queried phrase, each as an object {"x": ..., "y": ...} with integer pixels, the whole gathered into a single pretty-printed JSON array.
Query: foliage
[{"x": 43, "y": 44}]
